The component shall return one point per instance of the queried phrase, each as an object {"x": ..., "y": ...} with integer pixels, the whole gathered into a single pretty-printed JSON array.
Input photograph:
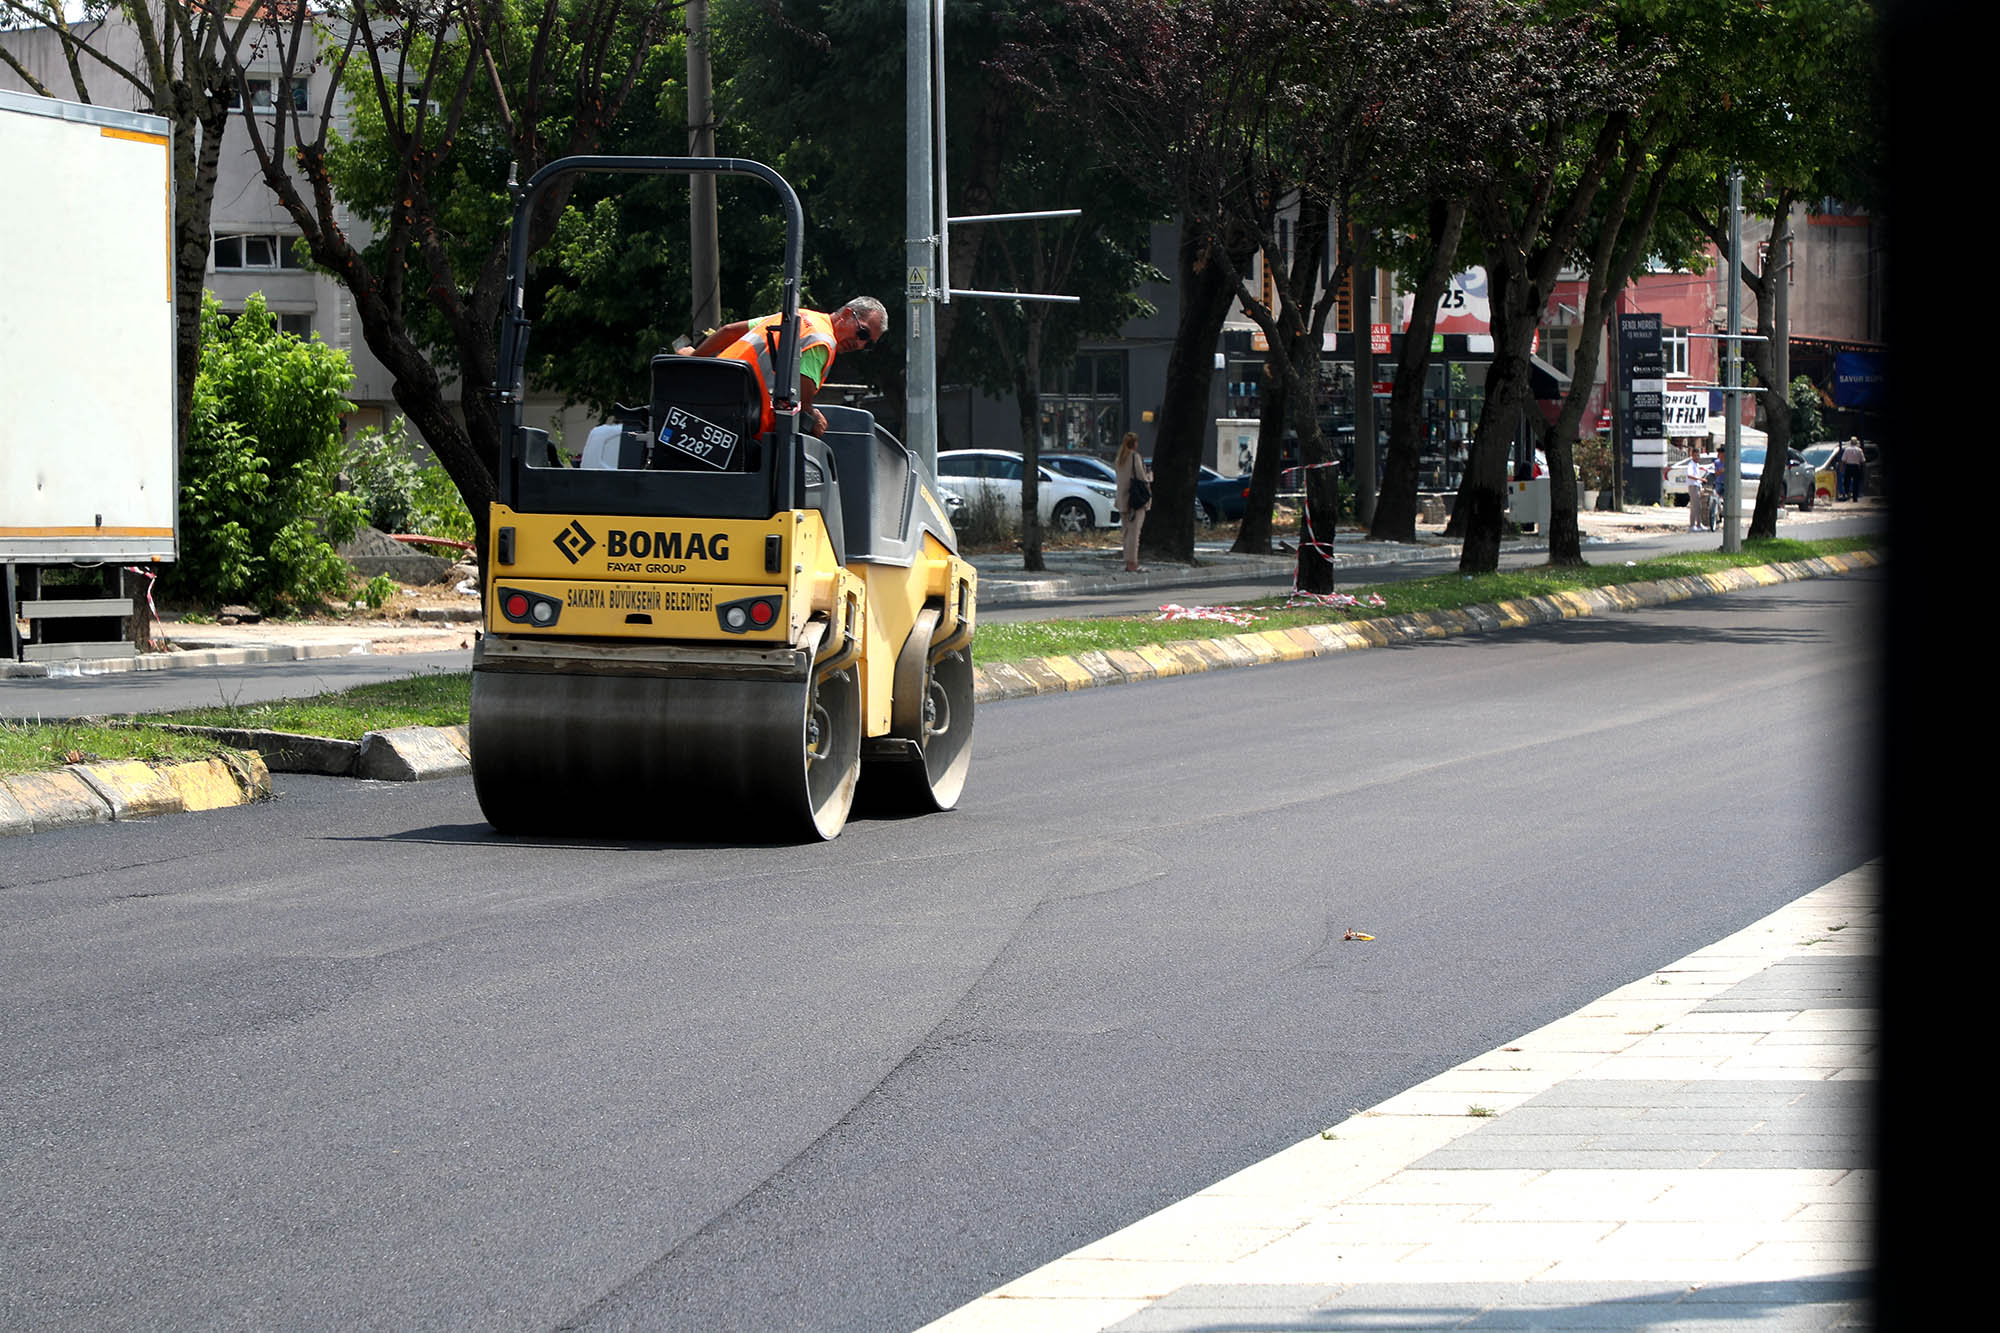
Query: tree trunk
[
  {"x": 1028, "y": 394},
  {"x": 1322, "y": 479},
  {"x": 1205, "y": 292},
  {"x": 1483, "y": 495},
  {"x": 1254, "y": 536},
  {"x": 1774, "y": 393},
  {"x": 1396, "y": 505},
  {"x": 1610, "y": 265}
]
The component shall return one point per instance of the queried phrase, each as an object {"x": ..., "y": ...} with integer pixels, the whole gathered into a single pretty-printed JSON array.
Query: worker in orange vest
[{"x": 858, "y": 325}]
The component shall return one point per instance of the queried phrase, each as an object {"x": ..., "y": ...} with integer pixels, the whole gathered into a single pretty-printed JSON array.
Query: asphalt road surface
[{"x": 348, "y": 1059}]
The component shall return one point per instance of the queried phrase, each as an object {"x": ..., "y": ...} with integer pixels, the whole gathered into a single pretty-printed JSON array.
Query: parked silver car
[{"x": 1799, "y": 488}]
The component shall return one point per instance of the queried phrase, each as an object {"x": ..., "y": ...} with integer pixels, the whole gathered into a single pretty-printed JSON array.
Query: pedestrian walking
[{"x": 1854, "y": 469}]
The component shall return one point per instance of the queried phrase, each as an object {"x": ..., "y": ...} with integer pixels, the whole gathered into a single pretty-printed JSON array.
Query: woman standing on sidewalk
[{"x": 1133, "y": 475}]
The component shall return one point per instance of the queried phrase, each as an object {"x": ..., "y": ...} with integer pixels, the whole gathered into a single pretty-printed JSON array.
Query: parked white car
[{"x": 1067, "y": 504}]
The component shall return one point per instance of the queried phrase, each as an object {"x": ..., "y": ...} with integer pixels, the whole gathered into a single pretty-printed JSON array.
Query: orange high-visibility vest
[{"x": 758, "y": 349}]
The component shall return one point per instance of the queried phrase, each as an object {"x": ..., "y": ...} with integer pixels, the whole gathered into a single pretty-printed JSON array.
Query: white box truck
[{"x": 88, "y": 475}]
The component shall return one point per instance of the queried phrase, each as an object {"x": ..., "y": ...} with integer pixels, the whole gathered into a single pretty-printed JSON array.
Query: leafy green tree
[
  {"x": 1577, "y": 97},
  {"x": 441, "y": 107},
  {"x": 1221, "y": 109},
  {"x": 1808, "y": 415},
  {"x": 1798, "y": 92},
  {"x": 816, "y": 91},
  {"x": 260, "y": 506}
]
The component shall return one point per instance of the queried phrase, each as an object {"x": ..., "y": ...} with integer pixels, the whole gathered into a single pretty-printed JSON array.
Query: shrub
[
  {"x": 384, "y": 475},
  {"x": 989, "y": 520},
  {"x": 377, "y": 591},
  {"x": 1593, "y": 460},
  {"x": 436, "y": 507},
  {"x": 260, "y": 505}
]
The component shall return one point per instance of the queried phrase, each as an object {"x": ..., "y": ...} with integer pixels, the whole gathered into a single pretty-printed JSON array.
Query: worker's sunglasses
[{"x": 862, "y": 334}]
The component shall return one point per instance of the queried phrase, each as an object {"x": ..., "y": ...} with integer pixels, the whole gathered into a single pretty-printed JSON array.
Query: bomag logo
[
  {"x": 574, "y": 542},
  {"x": 636, "y": 545}
]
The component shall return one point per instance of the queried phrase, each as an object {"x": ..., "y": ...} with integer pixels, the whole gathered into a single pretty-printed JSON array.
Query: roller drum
[{"x": 665, "y": 757}]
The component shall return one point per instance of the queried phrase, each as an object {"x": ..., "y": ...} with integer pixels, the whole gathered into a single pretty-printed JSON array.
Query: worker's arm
[
  {"x": 812, "y": 369},
  {"x": 716, "y": 341}
]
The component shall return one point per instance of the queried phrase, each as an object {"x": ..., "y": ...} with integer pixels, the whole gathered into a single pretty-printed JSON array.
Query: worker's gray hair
[{"x": 864, "y": 306}]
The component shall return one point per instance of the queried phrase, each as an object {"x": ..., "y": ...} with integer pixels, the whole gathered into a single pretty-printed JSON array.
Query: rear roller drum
[{"x": 665, "y": 757}]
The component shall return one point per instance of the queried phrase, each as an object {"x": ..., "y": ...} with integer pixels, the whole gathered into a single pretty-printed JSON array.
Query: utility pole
[
  {"x": 921, "y": 235},
  {"x": 704, "y": 236},
  {"x": 927, "y": 226},
  {"x": 1732, "y": 379}
]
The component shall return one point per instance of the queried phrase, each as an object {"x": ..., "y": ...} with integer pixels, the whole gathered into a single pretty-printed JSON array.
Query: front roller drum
[
  {"x": 668, "y": 758},
  {"x": 931, "y": 715}
]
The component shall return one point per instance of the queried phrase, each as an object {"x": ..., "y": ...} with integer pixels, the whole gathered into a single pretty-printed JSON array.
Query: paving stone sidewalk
[{"x": 1689, "y": 1152}]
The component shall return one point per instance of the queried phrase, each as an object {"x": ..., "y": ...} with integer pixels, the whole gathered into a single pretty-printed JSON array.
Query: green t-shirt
[{"x": 812, "y": 364}]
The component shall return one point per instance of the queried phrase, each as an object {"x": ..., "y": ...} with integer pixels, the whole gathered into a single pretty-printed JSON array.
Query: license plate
[{"x": 703, "y": 441}]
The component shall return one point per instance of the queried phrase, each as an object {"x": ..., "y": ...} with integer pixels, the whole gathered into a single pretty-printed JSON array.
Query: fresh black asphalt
[{"x": 347, "y": 1058}]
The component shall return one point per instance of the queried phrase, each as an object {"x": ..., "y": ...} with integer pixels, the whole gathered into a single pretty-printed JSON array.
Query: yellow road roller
[{"x": 710, "y": 632}]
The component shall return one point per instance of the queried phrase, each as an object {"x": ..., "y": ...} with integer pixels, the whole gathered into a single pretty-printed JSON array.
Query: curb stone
[
  {"x": 414, "y": 754},
  {"x": 128, "y": 789},
  {"x": 285, "y": 751}
]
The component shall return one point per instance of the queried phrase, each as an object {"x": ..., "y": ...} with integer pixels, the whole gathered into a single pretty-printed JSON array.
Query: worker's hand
[
  {"x": 815, "y": 423},
  {"x": 684, "y": 351}
]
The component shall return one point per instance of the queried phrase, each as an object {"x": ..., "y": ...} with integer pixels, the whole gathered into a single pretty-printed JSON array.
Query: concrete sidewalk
[
  {"x": 1002, "y": 583},
  {"x": 1692, "y": 1151}
]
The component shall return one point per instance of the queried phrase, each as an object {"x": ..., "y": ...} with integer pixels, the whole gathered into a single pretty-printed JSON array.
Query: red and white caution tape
[
  {"x": 149, "y": 576},
  {"x": 1307, "y": 541},
  {"x": 151, "y": 643},
  {"x": 1340, "y": 601},
  {"x": 1228, "y": 615}
]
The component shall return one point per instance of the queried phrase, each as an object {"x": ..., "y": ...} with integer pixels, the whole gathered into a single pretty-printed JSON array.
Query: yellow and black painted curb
[
  {"x": 128, "y": 789},
  {"x": 1119, "y": 666}
]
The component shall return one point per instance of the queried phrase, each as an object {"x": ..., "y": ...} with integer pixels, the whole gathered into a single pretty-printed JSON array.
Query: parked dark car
[
  {"x": 1220, "y": 499},
  {"x": 1084, "y": 467}
]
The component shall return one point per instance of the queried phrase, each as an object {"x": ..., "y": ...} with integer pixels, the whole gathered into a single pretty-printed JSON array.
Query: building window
[
  {"x": 254, "y": 250},
  {"x": 1555, "y": 347},
  {"x": 297, "y": 323},
  {"x": 1674, "y": 344},
  {"x": 264, "y": 95},
  {"x": 1086, "y": 414}
]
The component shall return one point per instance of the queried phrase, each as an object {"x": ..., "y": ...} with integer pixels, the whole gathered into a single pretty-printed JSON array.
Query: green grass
[
  {"x": 435, "y": 699},
  {"x": 31, "y": 747},
  {"x": 1444, "y": 592},
  {"x": 443, "y": 698}
]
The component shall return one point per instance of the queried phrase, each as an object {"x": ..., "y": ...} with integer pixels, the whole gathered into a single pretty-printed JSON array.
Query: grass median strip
[
  {"x": 1444, "y": 592},
  {"x": 442, "y": 698},
  {"x": 434, "y": 699}
]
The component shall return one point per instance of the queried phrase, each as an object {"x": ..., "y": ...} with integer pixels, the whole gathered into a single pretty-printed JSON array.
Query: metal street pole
[
  {"x": 1732, "y": 430},
  {"x": 704, "y": 243},
  {"x": 920, "y": 230}
]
